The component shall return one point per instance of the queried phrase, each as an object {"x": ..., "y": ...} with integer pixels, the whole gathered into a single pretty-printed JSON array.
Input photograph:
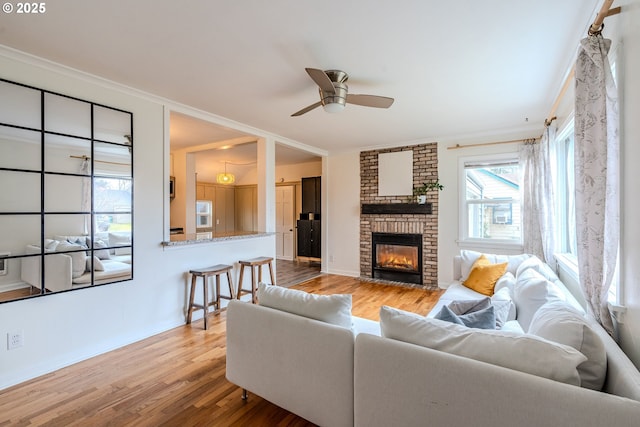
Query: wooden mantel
[{"x": 395, "y": 208}]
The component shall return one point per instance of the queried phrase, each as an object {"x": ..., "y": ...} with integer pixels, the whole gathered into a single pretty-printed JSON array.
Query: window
[
  {"x": 564, "y": 177},
  {"x": 565, "y": 192},
  {"x": 491, "y": 200},
  {"x": 203, "y": 214}
]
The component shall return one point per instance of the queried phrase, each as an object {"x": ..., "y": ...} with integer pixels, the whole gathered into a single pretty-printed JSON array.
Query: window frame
[{"x": 464, "y": 240}]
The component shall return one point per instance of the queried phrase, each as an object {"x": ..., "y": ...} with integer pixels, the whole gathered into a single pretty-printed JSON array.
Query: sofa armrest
[
  {"x": 57, "y": 270},
  {"x": 302, "y": 365},
  {"x": 397, "y": 383}
]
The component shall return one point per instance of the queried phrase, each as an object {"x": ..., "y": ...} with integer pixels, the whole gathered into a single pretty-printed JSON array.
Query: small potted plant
[{"x": 420, "y": 193}]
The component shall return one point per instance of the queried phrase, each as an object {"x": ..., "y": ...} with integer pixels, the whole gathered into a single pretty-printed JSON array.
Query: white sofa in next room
[{"x": 67, "y": 266}]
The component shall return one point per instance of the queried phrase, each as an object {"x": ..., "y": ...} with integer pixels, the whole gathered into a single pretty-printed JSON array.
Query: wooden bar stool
[
  {"x": 254, "y": 263},
  {"x": 205, "y": 273}
]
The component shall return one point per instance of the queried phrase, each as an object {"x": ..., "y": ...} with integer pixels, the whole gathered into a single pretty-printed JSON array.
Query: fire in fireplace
[{"x": 397, "y": 257}]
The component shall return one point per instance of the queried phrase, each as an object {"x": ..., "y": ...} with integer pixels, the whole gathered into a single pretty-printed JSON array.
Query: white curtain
[
  {"x": 538, "y": 197},
  {"x": 597, "y": 174}
]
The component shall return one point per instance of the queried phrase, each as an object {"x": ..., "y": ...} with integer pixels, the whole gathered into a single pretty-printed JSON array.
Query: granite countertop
[{"x": 190, "y": 239}]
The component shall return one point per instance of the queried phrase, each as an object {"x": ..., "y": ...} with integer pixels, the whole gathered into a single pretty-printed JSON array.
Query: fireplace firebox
[{"x": 397, "y": 257}]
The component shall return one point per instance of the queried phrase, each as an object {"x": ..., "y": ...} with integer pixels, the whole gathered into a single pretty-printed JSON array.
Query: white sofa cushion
[
  {"x": 536, "y": 263},
  {"x": 78, "y": 259},
  {"x": 334, "y": 309},
  {"x": 469, "y": 257},
  {"x": 557, "y": 321},
  {"x": 521, "y": 352},
  {"x": 504, "y": 306},
  {"x": 95, "y": 263},
  {"x": 508, "y": 280},
  {"x": 532, "y": 291}
]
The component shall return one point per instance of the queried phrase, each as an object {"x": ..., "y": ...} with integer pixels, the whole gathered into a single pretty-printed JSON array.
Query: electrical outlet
[{"x": 14, "y": 340}]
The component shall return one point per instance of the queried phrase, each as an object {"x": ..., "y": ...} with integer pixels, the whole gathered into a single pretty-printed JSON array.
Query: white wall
[
  {"x": 341, "y": 254},
  {"x": 291, "y": 173},
  {"x": 62, "y": 329}
]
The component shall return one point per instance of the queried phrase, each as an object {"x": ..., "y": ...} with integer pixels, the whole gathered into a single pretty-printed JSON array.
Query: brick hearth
[{"x": 425, "y": 168}]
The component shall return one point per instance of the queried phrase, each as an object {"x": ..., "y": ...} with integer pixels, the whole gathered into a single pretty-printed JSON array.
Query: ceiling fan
[{"x": 334, "y": 93}]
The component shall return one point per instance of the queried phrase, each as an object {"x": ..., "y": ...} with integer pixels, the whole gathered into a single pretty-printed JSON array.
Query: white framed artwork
[{"x": 395, "y": 173}]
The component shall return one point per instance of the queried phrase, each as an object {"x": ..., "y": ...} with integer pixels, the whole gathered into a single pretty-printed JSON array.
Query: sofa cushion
[
  {"x": 120, "y": 239},
  {"x": 536, "y": 263},
  {"x": 97, "y": 264},
  {"x": 508, "y": 280},
  {"x": 522, "y": 352},
  {"x": 98, "y": 248},
  {"x": 481, "y": 319},
  {"x": 504, "y": 306},
  {"x": 78, "y": 259},
  {"x": 467, "y": 259},
  {"x": 512, "y": 326},
  {"x": 532, "y": 291},
  {"x": 77, "y": 240},
  {"x": 334, "y": 309},
  {"x": 112, "y": 270},
  {"x": 557, "y": 321},
  {"x": 484, "y": 275}
]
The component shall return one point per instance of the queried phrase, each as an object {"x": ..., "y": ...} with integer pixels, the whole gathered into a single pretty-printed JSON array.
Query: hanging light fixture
[{"x": 225, "y": 178}]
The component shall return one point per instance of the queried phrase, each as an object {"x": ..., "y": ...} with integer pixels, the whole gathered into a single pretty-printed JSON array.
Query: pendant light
[{"x": 225, "y": 178}]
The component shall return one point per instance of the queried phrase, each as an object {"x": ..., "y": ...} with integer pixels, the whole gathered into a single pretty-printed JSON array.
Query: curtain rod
[
  {"x": 99, "y": 161},
  {"x": 593, "y": 29},
  {"x": 605, "y": 11},
  {"x": 482, "y": 144}
]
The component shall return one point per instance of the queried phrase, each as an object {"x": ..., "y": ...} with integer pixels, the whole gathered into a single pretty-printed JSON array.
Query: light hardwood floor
[
  {"x": 176, "y": 378},
  {"x": 289, "y": 273}
]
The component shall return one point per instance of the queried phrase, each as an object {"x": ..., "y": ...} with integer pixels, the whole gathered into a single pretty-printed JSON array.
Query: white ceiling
[{"x": 456, "y": 68}]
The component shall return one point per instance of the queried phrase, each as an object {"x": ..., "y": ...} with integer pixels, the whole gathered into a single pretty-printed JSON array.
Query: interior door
[{"x": 284, "y": 222}]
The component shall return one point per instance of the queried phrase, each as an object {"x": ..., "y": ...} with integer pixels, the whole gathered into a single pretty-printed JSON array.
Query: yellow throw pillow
[{"x": 484, "y": 275}]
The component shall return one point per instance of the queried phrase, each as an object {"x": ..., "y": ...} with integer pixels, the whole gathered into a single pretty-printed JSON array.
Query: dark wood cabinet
[
  {"x": 309, "y": 222},
  {"x": 309, "y": 238},
  {"x": 311, "y": 195}
]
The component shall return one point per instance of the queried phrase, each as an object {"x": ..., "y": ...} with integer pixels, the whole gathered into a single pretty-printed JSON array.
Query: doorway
[{"x": 285, "y": 219}]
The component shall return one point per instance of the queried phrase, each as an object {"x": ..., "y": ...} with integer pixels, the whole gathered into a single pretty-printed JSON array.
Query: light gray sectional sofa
[
  {"x": 413, "y": 370},
  {"x": 68, "y": 267}
]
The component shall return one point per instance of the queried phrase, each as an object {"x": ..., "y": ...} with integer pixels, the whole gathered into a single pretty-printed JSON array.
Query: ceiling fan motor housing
[{"x": 339, "y": 97}]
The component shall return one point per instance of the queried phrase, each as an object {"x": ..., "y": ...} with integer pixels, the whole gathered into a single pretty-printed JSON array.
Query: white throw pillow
[
  {"x": 469, "y": 257},
  {"x": 98, "y": 248},
  {"x": 532, "y": 291},
  {"x": 334, "y": 309},
  {"x": 120, "y": 239},
  {"x": 508, "y": 280},
  {"x": 521, "y": 352},
  {"x": 512, "y": 326},
  {"x": 97, "y": 264},
  {"x": 536, "y": 263},
  {"x": 77, "y": 240},
  {"x": 78, "y": 259},
  {"x": 557, "y": 321},
  {"x": 505, "y": 308}
]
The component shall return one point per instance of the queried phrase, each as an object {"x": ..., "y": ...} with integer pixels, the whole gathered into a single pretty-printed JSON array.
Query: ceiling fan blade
[
  {"x": 370, "y": 100},
  {"x": 321, "y": 79},
  {"x": 306, "y": 109}
]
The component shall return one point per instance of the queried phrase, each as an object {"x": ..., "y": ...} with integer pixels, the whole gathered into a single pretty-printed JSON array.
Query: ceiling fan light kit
[{"x": 334, "y": 93}]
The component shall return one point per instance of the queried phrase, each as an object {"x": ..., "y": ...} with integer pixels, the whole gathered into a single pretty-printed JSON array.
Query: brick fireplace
[{"x": 403, "y": 218}]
